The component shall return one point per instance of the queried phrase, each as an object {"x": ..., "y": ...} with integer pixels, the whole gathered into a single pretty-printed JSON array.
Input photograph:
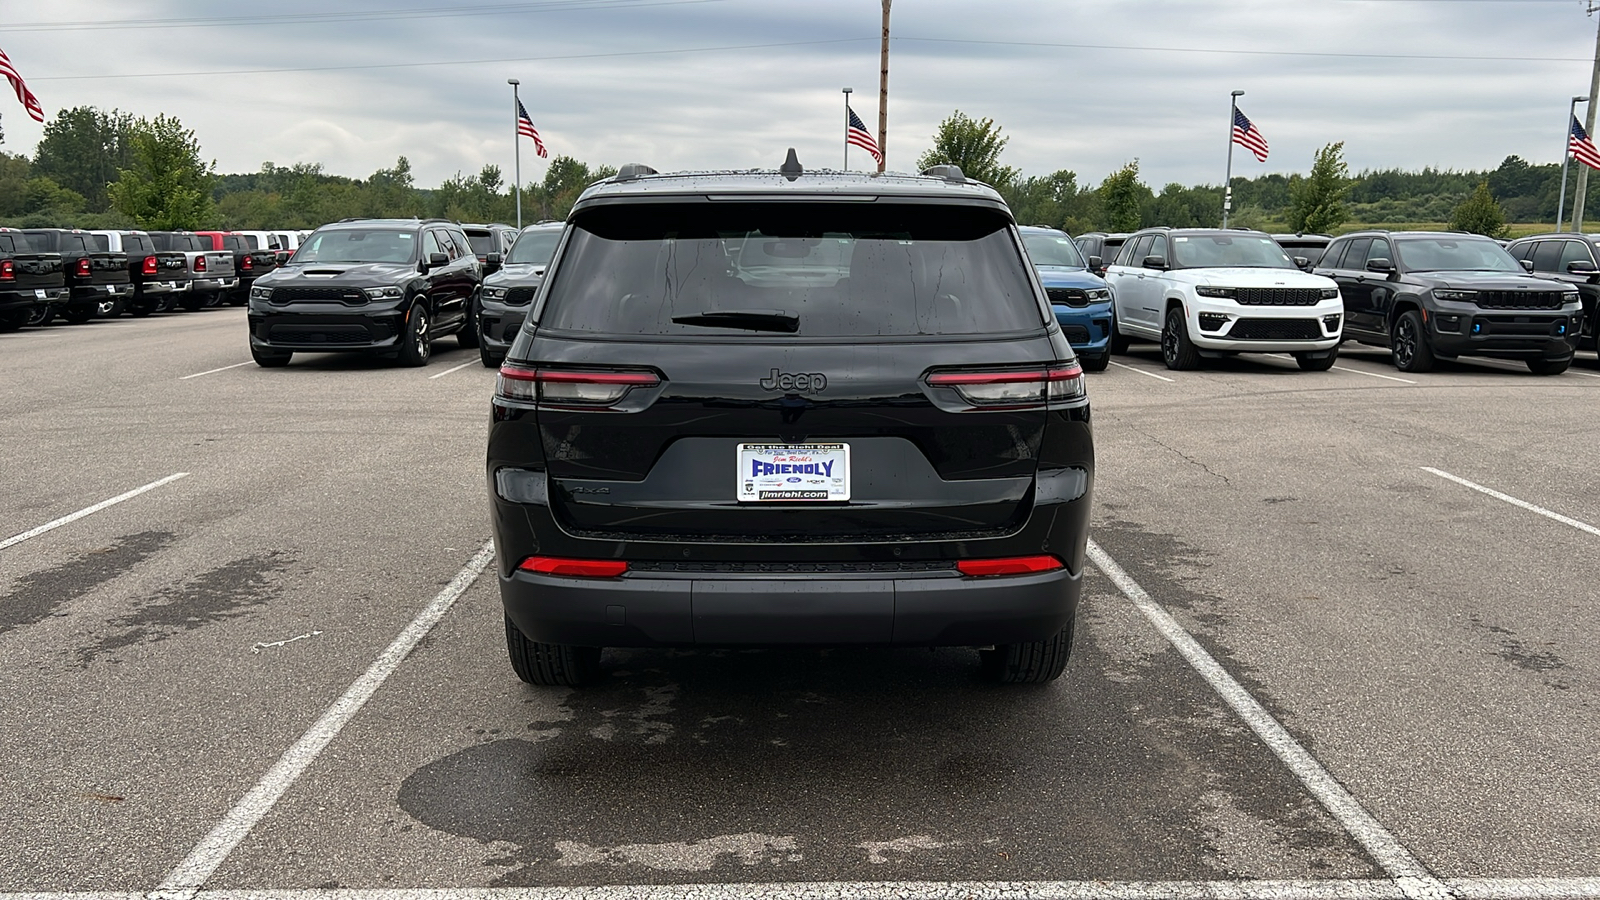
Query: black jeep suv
[
  {"x": 385, "y": 286},
  {"x": 783, "y": 408},
  {"x": 1430, "y": 295}
]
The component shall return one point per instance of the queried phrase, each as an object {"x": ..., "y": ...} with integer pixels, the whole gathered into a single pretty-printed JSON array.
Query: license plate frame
[{"x": 798, "y": 473}]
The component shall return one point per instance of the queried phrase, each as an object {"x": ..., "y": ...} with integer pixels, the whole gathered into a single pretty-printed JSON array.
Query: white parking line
[
  {"x": 196, "y": 868},
  {"x": 1410, "y": 875},
  {"x": 1373, "y": 375},
  {"x": 1262, "y": 889},
  {"x": 448, "y": 371},
  {"x": 211, "y": 371},
  {"x": 1142, "y": 372},
  {"x": 88, "y": 511},
  {"x": 1581, "y": 526}
]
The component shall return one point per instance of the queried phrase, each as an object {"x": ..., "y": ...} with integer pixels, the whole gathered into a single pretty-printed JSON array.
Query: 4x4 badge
[{"x": 812, "y": 383}]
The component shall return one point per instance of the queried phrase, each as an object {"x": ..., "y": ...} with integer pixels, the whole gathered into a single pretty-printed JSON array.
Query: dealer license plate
[
  {"x": 794, "y": 472},
  {"x": 38, "y": 294}
]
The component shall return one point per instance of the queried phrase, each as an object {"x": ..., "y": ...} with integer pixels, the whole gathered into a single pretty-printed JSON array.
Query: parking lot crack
[{"x": 1184, "y": 456}]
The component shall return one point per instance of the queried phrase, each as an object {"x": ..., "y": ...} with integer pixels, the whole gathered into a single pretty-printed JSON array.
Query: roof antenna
[{"x": 791, "y": 168}]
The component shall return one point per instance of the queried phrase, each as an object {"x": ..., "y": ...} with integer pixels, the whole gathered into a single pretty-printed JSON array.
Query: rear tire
[
  {"x": 1038, "y": 662},
  {"x": 1312, "y": 362},
  {"x": 42, "y": 315},
  {"x": 1409, "y": 346},
  {"x": 417, "y": 345},
  {"x": 467, "y": 337},
  {"x": 1177, "y": 351},
  {"x": 268, "y": 360},
  {"x": 1549, "y": 366},
  {"x": 12, "y": 321},
  {"x": 1095, "y": 363},
  {"x": 550, "y": 665},
  {"x": 490, "y": 360},
  {"x": 194, "y": 302},
  {"x": 1119, "y": 341}
]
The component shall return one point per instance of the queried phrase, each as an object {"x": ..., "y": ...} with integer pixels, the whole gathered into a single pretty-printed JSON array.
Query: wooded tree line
[{"x": 95, "y": 168}]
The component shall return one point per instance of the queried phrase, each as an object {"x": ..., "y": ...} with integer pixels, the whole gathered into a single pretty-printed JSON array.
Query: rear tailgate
[{"x": 33, "y": 272}]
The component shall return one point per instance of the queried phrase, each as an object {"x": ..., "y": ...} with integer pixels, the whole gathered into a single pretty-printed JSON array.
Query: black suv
[
  {"x": 492, "y": 239},
  {"x": 772, "y": 408},
  {"x": 1569, "y": 259},
  {"x": 508, "y": 293},
  {"x": 1430, "y": 295},
  {"x": 1098, "y": 244},
  {"x": 385, "y": 286},
  {"x": 1305, "y": 249}
]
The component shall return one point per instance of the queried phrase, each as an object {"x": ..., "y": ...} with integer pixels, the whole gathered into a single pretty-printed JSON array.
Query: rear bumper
[
  {"x": 27, "y": 300},
  {"x": 95, "y": 293},
  {"x": 655, "y": 610}
]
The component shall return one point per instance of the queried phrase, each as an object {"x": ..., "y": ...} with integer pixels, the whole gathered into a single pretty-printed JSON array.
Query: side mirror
[
  {"x": 1300, "y": 262},
  {"x": 1527, "y": 265},
  {"x": 1581, "y": 267},
  {"x": 1096, "y": 263},
  {"x": 1155, "y": 262},
  {"x": 491, "y": 263},
  {"x": 435, "y": 261},
  {"x": 1380, "y": 265}
]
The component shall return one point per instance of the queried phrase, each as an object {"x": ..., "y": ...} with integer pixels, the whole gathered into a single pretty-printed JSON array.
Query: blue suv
[{"x": 1081, "y": 299}]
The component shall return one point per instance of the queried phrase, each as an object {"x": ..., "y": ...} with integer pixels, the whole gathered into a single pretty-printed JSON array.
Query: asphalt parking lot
[{"x": 1325, "y": 653}]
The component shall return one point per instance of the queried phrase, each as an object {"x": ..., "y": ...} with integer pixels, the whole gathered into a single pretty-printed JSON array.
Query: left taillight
[
  {"x": 199, "y": 263},
  {"x": 149, "y": 267},
  {"x": 570, "y": 387},
  {"x": 247, "y": 264},
  {"x": 574, "y": 568},
  {"x": 84, "y": 267},
  {"x": 999, "y": 389},
  {"x": 8, "y": 270}
]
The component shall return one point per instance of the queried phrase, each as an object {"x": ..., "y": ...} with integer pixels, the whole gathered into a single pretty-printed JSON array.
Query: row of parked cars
[
  {"x": 76, "y": 275},
  {"x": 1206, "y": 293}
]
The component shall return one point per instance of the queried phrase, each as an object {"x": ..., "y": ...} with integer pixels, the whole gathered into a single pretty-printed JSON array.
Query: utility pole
[
  {"x": 1566, "y": 156},
  {"x": 1227, "y": 180},
  {"x": 883, "y": 91},
  {"x": 1588, "y": 125}
]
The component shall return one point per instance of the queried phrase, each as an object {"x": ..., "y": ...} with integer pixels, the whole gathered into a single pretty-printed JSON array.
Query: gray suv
[{"x": 508, "y": 292}]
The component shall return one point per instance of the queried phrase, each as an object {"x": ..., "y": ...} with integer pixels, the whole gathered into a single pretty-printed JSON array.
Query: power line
[
  {"x": 262, "y": 21},
  {"x": 1132, "y": 47}
]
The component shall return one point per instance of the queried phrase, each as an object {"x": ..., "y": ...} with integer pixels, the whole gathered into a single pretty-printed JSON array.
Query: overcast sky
[{"x": 1084, "y": 85}]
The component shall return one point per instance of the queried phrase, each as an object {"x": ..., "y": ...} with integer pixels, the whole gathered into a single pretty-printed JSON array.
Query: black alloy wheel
[
  {"x": 1177, "y": 351},
  {"x": 417, "y": 345},
  {"x": 42, "y": 315},
  {"x": 1409, "y": 344}
]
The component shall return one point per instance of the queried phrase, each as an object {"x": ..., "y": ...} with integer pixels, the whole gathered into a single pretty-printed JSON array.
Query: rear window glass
[
  {"x": 136, "y": 243},
  {"x": 5, "y": 244},
  {"x": 483, "y": 243},
  {"x": 833, "y": 269},
  {"x": 101, "y": 242},
  {"x": 233, "y": 242}
]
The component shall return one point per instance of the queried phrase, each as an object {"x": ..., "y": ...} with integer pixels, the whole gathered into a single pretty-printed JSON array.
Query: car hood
[
  {"x": 1247, "y": 276},
  {"x": 515, "y": 275},
  {"x": 1480, "y": 281},
  {"x": 364, "y": 274},
  {"x": 1069, "y": 277}
]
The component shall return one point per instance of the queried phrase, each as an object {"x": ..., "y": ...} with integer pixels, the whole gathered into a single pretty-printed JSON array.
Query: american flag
[
  {"x": 24, "y": 96},
  {"x": 1583, "y": 149},
  {"x": 856, "y": 133},
  {"x": 526, "y": 129},
  {"x": 1247, "y": 135}
]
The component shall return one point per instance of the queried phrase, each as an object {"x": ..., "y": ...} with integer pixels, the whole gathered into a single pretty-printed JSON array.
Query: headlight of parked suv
[
  {"x": 1097, "y": 294},
  {"x": 1461, "y": 296},
  {"x": 385, "y": 293},
  {"x": 1330, "y": 293},
  {"x": 494, "y": 293},
  {"x": 1226, "y": 293},
  {"x": 1570, "y": 297},
  {"x": 261, "y": 293}
]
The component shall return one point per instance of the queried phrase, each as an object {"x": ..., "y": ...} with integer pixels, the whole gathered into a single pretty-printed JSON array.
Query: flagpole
[
  {"x": 1227, "y": 181},
  {"x": 846, "y": 129},
  {"x": 516, "y": 143},
  {"x": 1566, "y": 156}
]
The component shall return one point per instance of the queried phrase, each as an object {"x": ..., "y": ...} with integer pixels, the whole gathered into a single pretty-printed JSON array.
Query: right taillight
[
  {"x": 570, "y": 387},
  {"x": 8, "y": 270},
  {"x": 149, "y": 267},
  {"x": 199, "y": 263},
  {"x": 84, "y": 267},
  {"x": 1000, "y": 389},
  {"x": 575, "y": 568}
]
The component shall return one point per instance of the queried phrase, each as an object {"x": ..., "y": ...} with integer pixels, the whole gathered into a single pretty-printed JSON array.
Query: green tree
[
  {"x": 167, "y": 186},
  {"x": 563, "y": 182},
  {"x": 1480, "y": 214},
  {"x": 973, "y": 145},
  {"x": 1043, "y": 200},
  {"x": 83, "y": 149},
  {"x": 1122, "y": 198},
  {"x": 1316, "y": 202}
]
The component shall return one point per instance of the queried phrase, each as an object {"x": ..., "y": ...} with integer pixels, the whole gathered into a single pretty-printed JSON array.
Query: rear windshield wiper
[{"x": 753, "y": 319}]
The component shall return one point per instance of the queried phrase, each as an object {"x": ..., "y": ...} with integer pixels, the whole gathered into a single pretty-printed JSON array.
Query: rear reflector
[
  {"x": 1014, "y": 565},
  {"x": 574, "y": 568}
]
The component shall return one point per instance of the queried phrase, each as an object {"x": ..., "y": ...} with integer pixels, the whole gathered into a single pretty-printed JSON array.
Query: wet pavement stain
[
  {"x": 1510, "y": 647},
  {"x": 36, "y": 597},
  {"x": 222, "y": 593},
  {"x": 872, "y": 764}
]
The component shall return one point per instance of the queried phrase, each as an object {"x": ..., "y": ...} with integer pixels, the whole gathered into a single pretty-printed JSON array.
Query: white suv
[{"x": 1213, "y": 292}]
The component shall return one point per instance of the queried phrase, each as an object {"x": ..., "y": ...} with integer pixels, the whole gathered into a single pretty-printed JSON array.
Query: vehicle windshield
[
  {"x": 358, "y": 245},
  {"x": 1247, "y": 251},
  {"x": 1461, "y": 254},
  {"x": 534, "y": 248},
  {"x": 1052, "y": 250},
  {"x": 805, "y": 269}
]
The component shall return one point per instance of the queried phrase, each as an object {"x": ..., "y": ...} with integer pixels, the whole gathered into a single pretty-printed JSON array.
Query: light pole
[
  {"x": 516, "y": 143},
  {"x": 1566, "y": 154},
  {"x": 846, "y": 128},
  {"x": 1581, "y": 192},
  {"x": 1227, "y": 181}
]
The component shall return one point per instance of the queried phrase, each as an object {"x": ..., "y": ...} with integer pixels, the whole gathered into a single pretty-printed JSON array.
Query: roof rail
[
  {"x": 947, "y": 171},
  {"x": 633, "y": 172}
]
